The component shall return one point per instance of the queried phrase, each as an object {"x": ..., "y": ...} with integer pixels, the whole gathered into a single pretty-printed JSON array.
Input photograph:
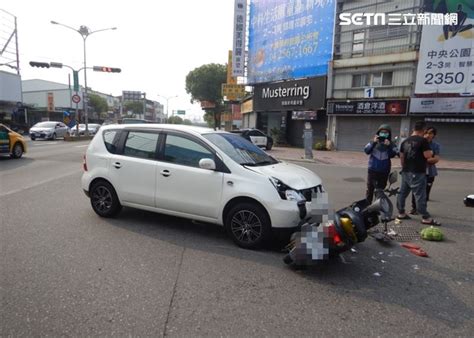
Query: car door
[
  {"x": 257, "y": 138},
  {"x": 262, "y": 138},
  {"x": 133, "y": 169},
  {"x": 60, "y": 129},
  {"x": 181, "y": 185}
]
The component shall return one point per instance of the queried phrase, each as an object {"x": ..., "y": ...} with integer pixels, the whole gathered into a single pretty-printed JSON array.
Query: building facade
[{"x": 374, "y": 78}]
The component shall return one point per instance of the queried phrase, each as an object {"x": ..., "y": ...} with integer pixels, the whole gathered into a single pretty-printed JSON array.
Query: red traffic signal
[
  {"x": 106, "y": 69},
  {"x": 39, "y": 64}
]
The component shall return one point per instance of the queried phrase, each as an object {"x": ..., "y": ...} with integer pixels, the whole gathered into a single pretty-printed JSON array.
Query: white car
[
  {"x": 48, "y": 130},
  {"x": 93, "y": 128},
  {"x": 196, "y": 173}
]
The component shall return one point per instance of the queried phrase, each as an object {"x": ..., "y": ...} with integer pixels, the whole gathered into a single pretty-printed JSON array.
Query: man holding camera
[{"x": 381, "y": 149}]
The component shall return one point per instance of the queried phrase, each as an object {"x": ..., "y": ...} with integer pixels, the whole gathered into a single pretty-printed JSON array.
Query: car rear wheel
[
  {"x": 269, "y": 146},
  {"x": 54, "y": 136},
  {"x": 104, "y": 199},
  {"x": 17, "y": 150},
  {"x": 248, "y": 225}
]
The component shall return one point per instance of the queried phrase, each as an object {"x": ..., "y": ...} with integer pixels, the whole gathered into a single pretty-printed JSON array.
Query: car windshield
[
  {"x": 239, "y": 149},
  {"x": 46, "y": 124}
]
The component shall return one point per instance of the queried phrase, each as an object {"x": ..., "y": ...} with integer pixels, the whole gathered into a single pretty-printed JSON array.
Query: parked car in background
[
  {"x": 197, "y": 173},
  {"x": 93, "y": 128},
  {"x": 256, "y": 136},
  {"x": 48, "y": 130},
  {"x": 11, "y": 143}
]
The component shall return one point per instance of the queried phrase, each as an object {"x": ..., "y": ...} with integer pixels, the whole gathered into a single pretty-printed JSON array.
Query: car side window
[
  {"x": 253, "y": 133},
  {"x": 141, "y": 144},
  {"x": 110, "y": 140},
  {"x": 181, "y": 150}
]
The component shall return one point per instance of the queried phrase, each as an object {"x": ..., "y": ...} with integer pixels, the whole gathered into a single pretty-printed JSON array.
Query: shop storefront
[
  {"x": 453, "y": 117},
  {"x": 356, "y": 121},
  {"x": 284, "y": 107}
]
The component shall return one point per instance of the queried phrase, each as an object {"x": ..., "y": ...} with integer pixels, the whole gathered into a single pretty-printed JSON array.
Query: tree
[
  {"x": 204, "y": 84},
  {"x": 187, "y": 122},
  {"x": 134, "y": 106},
  {"x": 175, "y": 120},
  {"x": 98, "y": 104}
]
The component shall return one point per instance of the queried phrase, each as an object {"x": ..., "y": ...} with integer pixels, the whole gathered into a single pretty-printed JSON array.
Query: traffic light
[
  {"x": 106, "y": 69},
  {"x": 39, "y": 64}
]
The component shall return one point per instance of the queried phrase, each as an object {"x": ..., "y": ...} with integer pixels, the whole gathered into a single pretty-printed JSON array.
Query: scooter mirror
[{"x": 393, "y": 177}]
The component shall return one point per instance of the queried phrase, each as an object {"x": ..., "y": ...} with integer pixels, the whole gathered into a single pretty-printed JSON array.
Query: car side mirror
[{"x": 207, "y": 163}]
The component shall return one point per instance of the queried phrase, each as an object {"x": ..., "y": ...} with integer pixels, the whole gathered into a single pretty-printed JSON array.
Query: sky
[{"x": 156, "y": 44}]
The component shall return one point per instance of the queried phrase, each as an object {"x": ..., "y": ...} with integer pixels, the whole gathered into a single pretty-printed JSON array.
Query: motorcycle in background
[{"x": 317, "y": 241}]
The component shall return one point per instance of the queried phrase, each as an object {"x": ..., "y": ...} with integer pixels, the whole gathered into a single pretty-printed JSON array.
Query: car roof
[{"x": 177, "y": 127}]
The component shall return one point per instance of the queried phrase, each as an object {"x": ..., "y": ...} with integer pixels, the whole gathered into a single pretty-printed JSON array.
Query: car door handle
[
  {"x": 117, "y": 165},
  {"x": 165, "y": 173}
]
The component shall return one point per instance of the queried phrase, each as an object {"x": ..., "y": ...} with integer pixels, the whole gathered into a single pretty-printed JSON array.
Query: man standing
[
  {"x": 414, "y": 152},
  {"x": 381, "y": 149},
  {"x": 432, "y": 171}
]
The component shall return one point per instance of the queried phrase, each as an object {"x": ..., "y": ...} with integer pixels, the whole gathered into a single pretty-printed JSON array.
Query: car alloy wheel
[
  {"x": 54, "y": 136},
  {"x": 248, "y": 225},
  {"x": 104, "y": 199}
]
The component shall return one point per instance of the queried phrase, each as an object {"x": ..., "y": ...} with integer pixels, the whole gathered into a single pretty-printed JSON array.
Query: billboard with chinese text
[
  {"x": 447, "y": 51},
  {"x": 289, "y": 39},
  {"x": 240, "y": 18}
]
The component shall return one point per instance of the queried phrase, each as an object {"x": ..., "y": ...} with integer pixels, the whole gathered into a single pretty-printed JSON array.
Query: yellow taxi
[{"x": 11, "y": 143}]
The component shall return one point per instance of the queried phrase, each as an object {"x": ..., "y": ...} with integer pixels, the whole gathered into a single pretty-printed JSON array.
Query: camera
[{"x": 381, "y": 139}]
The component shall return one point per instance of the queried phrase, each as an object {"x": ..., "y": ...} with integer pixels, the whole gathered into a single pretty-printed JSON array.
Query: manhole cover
[
  {"x": 406, "y": 232},
  {"x": 354, "y": 179}
]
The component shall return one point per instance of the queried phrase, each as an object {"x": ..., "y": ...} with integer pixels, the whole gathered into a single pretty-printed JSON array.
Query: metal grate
[{"x": 406, "y": 231}]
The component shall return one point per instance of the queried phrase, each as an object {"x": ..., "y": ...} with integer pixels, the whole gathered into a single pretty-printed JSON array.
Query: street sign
[
  {"x": 181, "y": 112},
  {"x": 76, "y": 98},
  {"x": 369, "y": 93},
  {"x": 75, "y": 75},
  {"x": 233, "y": 90}
]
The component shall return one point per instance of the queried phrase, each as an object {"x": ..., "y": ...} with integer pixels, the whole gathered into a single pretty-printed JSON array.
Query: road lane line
[
  {"x": 82, "y": 146},
  {"x": 39, "y": 183}
]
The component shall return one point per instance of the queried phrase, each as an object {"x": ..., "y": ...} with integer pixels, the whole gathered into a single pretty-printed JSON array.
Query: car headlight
[{"x": 285, "y": 192}]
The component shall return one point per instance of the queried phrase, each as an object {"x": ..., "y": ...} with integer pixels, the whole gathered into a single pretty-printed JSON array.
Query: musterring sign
[
  {"x": 296, "y": 91},
  {"x": 304, "y": 94}
]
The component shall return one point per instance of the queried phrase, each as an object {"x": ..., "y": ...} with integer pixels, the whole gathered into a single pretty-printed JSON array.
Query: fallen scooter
[{"x": 318, "y": 241}]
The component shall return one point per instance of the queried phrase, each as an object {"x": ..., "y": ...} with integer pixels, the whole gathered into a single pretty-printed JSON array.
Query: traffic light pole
[{"x": 76, "y": 81}]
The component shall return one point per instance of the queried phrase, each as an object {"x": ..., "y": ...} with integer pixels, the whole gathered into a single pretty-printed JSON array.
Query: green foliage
[
  {"x": 320, "y": 145},
  {"x": 431, "y": 234},
  {"x": 204, "y": 84},
  {"x": 135, "y": 106},
  {"x": 187, "y": 122},
  {"x": 98, "y": 104},
  {"x": 276, "y": 134},
  {"x": 175, "y": 120}
]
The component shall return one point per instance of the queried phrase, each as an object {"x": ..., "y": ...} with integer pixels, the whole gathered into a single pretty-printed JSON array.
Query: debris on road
[{"x": 431, "y": 234}]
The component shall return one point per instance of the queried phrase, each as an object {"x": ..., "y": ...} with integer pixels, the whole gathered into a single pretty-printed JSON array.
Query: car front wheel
[
  {"x": 248, "y": 225},
  {"x": 104, "y": 199},
  {"x": 17, "y": 150}
]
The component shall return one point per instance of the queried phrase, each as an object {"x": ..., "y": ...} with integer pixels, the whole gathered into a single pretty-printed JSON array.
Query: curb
[{"x": 317, "y": 161}]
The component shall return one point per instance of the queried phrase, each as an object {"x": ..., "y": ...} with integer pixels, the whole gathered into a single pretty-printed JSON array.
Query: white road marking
[
  {"x": 44, "y": 143},
  {"x": 38, "y": 183},
  {"x": 82, "y": 146}
]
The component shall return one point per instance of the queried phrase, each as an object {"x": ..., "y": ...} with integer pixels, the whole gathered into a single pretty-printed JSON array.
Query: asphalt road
[{"x": 65, "y": 271}]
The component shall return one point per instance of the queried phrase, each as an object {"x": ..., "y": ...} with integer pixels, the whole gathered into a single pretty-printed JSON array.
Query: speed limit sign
[{"x": 76, "y": 98}]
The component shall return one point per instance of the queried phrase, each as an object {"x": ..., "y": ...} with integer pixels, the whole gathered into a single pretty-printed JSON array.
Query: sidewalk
[{"x": 354, "y": 159}]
